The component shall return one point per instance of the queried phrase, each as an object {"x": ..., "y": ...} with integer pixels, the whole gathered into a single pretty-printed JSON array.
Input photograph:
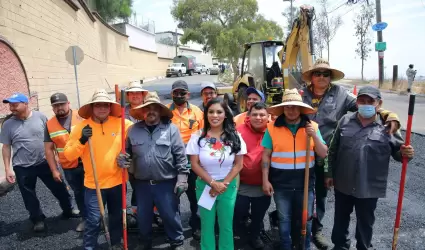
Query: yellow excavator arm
[{"x": 299, "y": 41}]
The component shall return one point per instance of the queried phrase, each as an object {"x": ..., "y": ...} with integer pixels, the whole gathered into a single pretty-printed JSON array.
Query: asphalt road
[{"x": 16, "y": 233}]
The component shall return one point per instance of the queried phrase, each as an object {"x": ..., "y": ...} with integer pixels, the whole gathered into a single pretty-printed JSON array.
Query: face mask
[
  {"x": 179, "y": 100},
  {"x": 367, "y": 111}
]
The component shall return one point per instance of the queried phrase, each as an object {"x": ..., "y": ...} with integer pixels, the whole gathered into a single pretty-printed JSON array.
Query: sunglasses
[
  {"x": 324, "y": 74},
  {"x": 178, "y": 93}
]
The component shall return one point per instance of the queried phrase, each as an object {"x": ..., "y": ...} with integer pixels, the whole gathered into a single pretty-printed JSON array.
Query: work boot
[
  {"x": 196, "y": 235},
  {"x": 74, "y": 213},
  {"x": 256, "y": 243},
  {"x": 181, "y": 247},
  {"x": 320, "y": 241},
  {"x": 39, "y": 226},
  {"x": 80, "y": 227}
]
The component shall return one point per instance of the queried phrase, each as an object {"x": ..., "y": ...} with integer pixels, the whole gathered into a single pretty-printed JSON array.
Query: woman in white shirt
[{"x": 216, "y": 155}]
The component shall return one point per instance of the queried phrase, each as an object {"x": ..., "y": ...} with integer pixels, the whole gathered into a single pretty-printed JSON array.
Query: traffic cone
[{"x": 355, "y": 90}]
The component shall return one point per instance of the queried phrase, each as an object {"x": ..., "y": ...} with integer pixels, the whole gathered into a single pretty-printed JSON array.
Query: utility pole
[
  {"x": 292, "y": 13},
  {"x": 176, "y": 40},
  {"x": 380, "y": 39}
]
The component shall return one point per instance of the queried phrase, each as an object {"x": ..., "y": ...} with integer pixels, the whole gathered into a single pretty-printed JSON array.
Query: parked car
[
  {"x": 214, "y": 69},
  {"x": 201, "y": 68},
  {"x": 177, "y": 69}
]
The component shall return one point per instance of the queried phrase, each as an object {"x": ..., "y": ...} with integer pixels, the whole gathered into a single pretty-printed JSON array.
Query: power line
[
  {"x": 349, "y": 10},
  {"x": 337, "y": 7}
]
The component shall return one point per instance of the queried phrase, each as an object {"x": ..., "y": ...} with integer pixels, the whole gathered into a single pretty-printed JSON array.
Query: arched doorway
[{"x": 13, "y": 77}]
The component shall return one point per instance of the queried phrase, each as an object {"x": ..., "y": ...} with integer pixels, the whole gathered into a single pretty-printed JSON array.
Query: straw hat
[
  {"x": 151, "y": 98},
  {"x": 135, "y": 87},
  {"x": 322, "y": 64},
  {"x": 291, "y": 97},
  {"x": 99, "y": 96}
]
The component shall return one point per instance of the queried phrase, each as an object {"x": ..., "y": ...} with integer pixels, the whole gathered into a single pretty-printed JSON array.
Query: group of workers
[{"x": 240, "y": 162}]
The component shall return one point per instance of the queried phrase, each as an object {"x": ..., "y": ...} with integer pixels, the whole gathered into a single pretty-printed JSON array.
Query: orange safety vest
[
  {"x": 60, "y": 136},
  {"x": 289, "y": 151}
]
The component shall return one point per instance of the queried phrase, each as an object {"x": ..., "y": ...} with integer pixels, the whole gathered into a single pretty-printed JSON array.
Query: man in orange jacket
[
  {"x": 103, "y": 127},
  {"x": 56, "y": 136}
]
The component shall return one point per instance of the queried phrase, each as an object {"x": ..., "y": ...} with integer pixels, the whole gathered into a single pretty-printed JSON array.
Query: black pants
[
  {"x": 75, "y": 179},
  {"x": 321, "y": 193},
  {"x": 258, "y": 207},
  {"x": 365, "y": 214},
  {"x": 195, "y": 221},
  {"x": 26, "y": 178},
  {"x": 132, "y": 181}
]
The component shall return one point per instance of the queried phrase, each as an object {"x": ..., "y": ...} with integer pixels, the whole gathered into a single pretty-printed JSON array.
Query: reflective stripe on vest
[
  {"x": 60, "y": 136},
  {"x": 290, "y": 152}
]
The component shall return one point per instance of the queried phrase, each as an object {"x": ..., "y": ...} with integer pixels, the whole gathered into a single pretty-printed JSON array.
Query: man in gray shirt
[
  {"x": 23, "y": 135},
  {"x": 358, "y": 164},
  {"x": 157, "y": 152}
]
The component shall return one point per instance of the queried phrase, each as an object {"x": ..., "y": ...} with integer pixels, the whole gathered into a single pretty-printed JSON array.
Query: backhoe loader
[{"x": 273, "y": 66}]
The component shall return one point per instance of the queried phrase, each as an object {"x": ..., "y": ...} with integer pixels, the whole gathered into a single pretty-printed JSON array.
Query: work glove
[
  {"x": 86, "y": 133},
  {"x": 124, "y": 160},
  {"x": 181, "y": 185}
]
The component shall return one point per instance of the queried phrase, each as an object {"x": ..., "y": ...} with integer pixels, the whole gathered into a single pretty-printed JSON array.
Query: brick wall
[{"x": 42, "y": 30}]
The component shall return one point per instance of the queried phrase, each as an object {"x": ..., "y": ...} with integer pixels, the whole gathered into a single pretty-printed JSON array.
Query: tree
[
  {"x": 223, "y": 27},
  {"x": 287, "y": 14},
  {"x": 329, "y": 25},
  {"x": 363, "y": 22},
  {"x": 318, "y": 39},
  {"x": 110, "y": 10}
]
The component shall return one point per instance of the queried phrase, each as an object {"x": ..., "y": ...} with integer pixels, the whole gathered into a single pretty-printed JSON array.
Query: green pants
[{"x": 223, "y": 208}]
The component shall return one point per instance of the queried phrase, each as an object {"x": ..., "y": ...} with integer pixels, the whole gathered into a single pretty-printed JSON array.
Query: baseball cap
[
  {"x": 57, "y": 98},
  {"x": 179, "y": 84},
  {"x": 205, "y": 85},
  {"x": 16, "y": 98},
  {"x": 252, "y": 90},
  {"x": 370, "y": 91}
]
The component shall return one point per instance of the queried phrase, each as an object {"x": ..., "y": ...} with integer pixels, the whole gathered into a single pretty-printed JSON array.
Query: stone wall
[{"x": 40, "y": 32}]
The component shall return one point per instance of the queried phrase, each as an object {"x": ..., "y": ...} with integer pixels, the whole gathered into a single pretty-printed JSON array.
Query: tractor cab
[{"x": 262, "y": 69}]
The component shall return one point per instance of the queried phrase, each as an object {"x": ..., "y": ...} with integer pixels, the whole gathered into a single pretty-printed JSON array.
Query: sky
[{"x": 405, "y": 34}]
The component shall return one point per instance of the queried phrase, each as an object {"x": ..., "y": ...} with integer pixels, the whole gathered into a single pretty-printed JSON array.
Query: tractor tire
[
  {"x": 242, "y": 98},
  {"x": 228, "y": 98},
  {"x": 179, "y": 74}
]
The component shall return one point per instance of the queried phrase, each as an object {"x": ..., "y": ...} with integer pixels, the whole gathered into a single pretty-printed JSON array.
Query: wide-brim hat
[
  {"x": 322, "y": 64},
  {"x": 135, "y": 87},
  {"x": 291, "y": 97},
  {"x": 150, "y": 99},
  {"x": 99, "y": 96}
]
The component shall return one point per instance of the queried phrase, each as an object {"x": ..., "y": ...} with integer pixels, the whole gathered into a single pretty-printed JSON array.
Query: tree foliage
[
  {"x": 329, "y": 25},
  {"x": 363, "y": 22},
  {"x": 223, "y": 26},
  {"x": 167, "y": 41},
  {"x": 110, "y": 10},
  {"x": 287, "y": 14}
]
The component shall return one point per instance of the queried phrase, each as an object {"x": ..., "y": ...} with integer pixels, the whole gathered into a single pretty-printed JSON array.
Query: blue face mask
[{"x": 366, "y": 111}]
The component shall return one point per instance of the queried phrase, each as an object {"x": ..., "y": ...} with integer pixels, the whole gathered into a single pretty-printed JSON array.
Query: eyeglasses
[
  {"x": 324, "y": 74},
  {"x": 210, "y": 93}
]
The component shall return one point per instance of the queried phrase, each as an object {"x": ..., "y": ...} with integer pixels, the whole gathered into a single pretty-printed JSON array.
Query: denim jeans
[
  {"x": 365, "y": 215},
  {"x": 258, "y": 205},
  {"x": 75, "y": 179},
  {"x": 163, "y": 196},
  {"x": 289, "y": 204},
  {"x": 194, "y": 221},
  {"x": 112, "y": 199},
  {"x": 321, "y": 193},
  {"x": 26, "y": 178}
]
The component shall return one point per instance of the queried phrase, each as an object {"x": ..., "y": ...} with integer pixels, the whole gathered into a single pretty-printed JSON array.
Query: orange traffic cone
[{"x": 355, "y": 90}]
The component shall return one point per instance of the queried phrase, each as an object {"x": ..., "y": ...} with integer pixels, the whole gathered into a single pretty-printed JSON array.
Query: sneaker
[
  {"x": 74, "y": 213},
  {"x": 39, "y": 226},
  {"x": 197, "y": 235},
  {"x": 320, "y": 241},
  {"x": 80, "y": 227},
  {"x": 257, "y": 243}
]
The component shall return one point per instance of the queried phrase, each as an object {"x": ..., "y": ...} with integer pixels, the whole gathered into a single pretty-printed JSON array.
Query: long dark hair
[{"x": 230, "y": 135}]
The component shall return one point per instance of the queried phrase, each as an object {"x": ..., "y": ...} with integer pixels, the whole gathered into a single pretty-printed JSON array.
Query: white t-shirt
[{"x": 214, "y": 158}]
